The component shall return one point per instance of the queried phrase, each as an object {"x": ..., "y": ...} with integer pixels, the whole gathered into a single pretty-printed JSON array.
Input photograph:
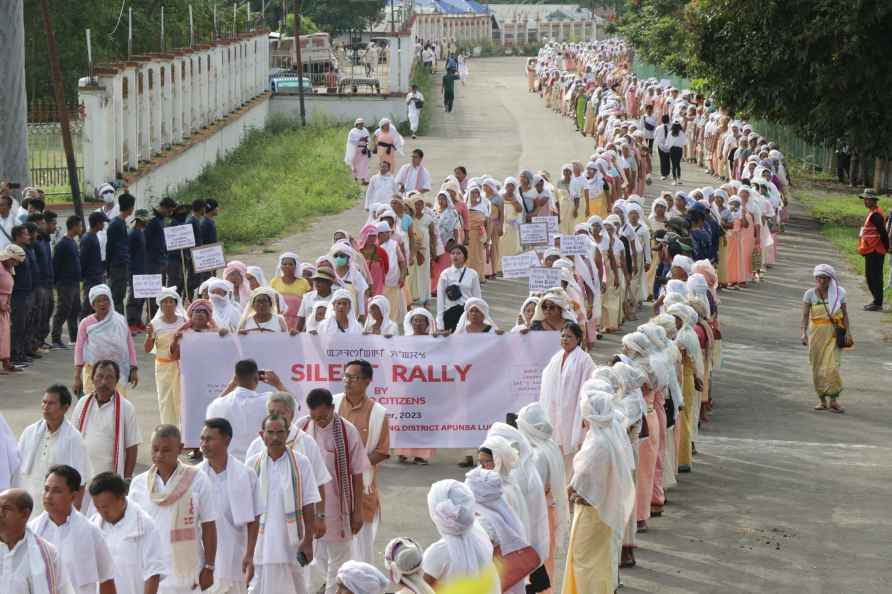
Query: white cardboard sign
[
  {"x": 552, "y": 223},
  {"x": 533, "y": 233},
  {"x": 573, "y": 245},
  {"x": 208, "y": 257},
  {"x": 179, "y": 237},
  {"x": 146, "y": 286},
  {"x": 542, "y": 279}
]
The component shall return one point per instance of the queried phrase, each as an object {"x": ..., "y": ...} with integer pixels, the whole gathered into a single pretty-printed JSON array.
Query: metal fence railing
[
  {"x": 46, "y": 155},
  {"x": 353, "y": 71}
]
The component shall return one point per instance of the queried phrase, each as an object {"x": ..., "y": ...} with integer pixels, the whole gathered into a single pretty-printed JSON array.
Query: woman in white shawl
[
  {"x": 419, "y": 322},
  {"x": 340, "y": 315},
  {"x": 476, "y": 318},
  {"x": 559, "y": 390},
  {"x": 227, "y": 315},
  {"x": 359, "y": 577},
  {"x": 378, "y": 321},
  {"x": 402, "y": 560},
  {"x": 604, "y": 496},
  {"x": 464, "y": 549},
  {"x": 103, "y": 334},
  {"x": 692, "y": 364},
  {"x": 262, "y": 313},
  {"x": 525, "y": 314},
  {"x": 500, "y": 523},
  {"x": 530, "y": 484},
  {"x": 533, "y": 423}
]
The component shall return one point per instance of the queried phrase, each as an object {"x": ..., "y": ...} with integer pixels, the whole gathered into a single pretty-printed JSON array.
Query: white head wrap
[
  {"x": 402, "y": 560},
  {"x": 282, "y": 257},
  {"x": 98, "y": 290},
  {"x": 481, "y": 306},
  {"x": 683, "y": 262},
  {"x": 486, "y": 485},
  {"x": 451, "y": 507},
  {"x": 388, "y": 326},
  {"x": 362, "y": 578},
  {"x": 835, "y": 294},
  {"x": 169, "y": 293},
  {"x": 418, "y": 311}
]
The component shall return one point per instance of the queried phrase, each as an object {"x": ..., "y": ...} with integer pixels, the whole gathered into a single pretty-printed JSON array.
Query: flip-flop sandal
[
  {"x": 822, "y": 407},
  {"x": 837, "y": 409}
]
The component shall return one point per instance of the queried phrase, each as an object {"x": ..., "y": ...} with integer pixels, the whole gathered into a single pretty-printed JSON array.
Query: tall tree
[{"x": 339, "y": 16}]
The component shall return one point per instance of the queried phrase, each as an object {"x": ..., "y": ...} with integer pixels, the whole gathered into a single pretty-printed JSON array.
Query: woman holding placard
[{"x": 160, "y": 335}]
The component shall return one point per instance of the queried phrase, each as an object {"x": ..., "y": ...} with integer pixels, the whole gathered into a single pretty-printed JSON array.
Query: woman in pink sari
[
  {"x": 236, "y": 272},
  {"x": 749, "y": 236},
  {"x": 734, "y": 265},
  {"x": 375, "y": 257},
  {"x": 290, "y": 286},
  {"x": 9, "y": 257}
]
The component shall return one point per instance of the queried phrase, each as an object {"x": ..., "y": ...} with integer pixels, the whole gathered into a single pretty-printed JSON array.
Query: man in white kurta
[
  {"x": 50, "y": 441},
  {"x": 285, "y": 543},
  {"x": 243, "y": 406},
  {"x": 414, "y": 102},
  {"x": 283, "y": 403},
  {"x": 107, "y": 422},
  {"x": 414, "y": 177},
  {"x": 234, "y": 489},
  {"x": 160, "y": 492},
  {"x": 10, "y": 457},
  {"x": 131, "y": 535},
  {"x": 28, "y": 563},
  {"x": 381, "y": 188},
  {"x": 85, "y": 556}
]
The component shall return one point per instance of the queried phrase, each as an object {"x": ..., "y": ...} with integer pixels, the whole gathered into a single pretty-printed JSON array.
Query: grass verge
[
  {"x": 840, "y": 214},
  {"x": 281, "y": 177}
]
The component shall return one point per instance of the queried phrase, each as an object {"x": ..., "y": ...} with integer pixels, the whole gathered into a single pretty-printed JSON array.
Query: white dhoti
[
  {"x": 364, "y": 542},
  {"x": 414, "y": 114},
  {"x": 328, "y": 556},
  {"x": 279, "y": 578}
]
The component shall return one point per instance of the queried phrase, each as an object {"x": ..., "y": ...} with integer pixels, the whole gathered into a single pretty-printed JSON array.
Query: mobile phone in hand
[{"x": 302, "y": 559}]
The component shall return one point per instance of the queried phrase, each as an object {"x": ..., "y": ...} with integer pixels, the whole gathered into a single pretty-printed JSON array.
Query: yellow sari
[
  {"x": 823, "y": 354},
  {"x": 167, "y": 379},
  {"x": 591, "y": 556},
  {"x": 691, "y": 408}
]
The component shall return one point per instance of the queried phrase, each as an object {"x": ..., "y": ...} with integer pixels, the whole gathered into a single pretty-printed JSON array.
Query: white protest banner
[
  {"x": 518, "y": 266},
  {"x": 542, "y": 279},
  {"x": 179, "y": 237},
  {"x": 552, "y": 223},
  {"x": 146, "y": 286},
  {"x": 439, "y": 392},
  {"x": 573, "y": 245},
  {"x": 208, "y": 257},
  {"x": 533, "y": 233}
]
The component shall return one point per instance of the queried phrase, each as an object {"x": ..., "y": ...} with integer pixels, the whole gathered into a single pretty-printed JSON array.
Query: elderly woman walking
[
  {"x": 824, "y": 314},
  {"x": 9, "y": 257}
]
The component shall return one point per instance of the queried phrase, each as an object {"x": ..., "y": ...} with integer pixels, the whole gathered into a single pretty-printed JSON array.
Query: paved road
[{"x": 782, "y": 499}]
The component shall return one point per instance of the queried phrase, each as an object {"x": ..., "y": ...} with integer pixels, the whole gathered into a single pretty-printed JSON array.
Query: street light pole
[{"x": 300, "y": 63}]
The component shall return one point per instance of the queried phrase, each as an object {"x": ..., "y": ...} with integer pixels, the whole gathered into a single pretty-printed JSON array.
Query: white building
[{"x": 523, "y": 24}]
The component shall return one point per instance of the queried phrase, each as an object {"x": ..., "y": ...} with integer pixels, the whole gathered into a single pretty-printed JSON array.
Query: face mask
[{"x": 341, "y": 260}]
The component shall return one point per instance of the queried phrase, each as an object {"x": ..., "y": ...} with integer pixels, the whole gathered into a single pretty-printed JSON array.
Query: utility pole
[
  {"x": 59, "y": 89},
  {"x": 300, "y": 63}
]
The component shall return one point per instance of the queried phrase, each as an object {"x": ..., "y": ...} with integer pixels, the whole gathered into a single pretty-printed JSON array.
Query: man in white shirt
[
  {"x": 110, "y": 209},
  {"x": 7, "y": 220},
  {"x": 283, "y": 404},
  {"x": 242, "y": 406},
  {"x": 28, "y": 563},
  {"x": 107, "y": 422},
  {"x": 178, "y": 498},
  {"x": 322, "y": 281},
  {"x": 85, "y": 555},
  {"x": 10, "y": 456},
  {"x": 414, "y": 176},
  {"x": 49, "y": 442},
  {"x": 131, "y": 535},
  {"x": 288, "y": 494},
  {"x": 381, "y": 188},
  {"x": 414, "y": 103},
  {"x": 234, "y": 489}
]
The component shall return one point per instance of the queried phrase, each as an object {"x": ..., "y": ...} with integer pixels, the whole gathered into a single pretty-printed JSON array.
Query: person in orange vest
[{"x": 873, "y": 243}]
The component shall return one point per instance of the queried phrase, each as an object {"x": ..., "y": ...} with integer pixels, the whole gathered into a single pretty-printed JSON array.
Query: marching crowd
[{"x": 297, "y": 508}]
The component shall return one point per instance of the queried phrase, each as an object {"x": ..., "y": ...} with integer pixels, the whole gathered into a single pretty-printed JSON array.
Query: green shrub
[{"x": 279, "y": 178}]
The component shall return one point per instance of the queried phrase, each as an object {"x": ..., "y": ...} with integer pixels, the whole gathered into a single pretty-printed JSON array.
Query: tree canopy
[{"x": 816, "y": 65}]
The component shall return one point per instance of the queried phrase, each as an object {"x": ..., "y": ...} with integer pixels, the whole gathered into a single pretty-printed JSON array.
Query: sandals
[
  {"x": 822, "y": 406},
  {"x": 835, "y": 408}
]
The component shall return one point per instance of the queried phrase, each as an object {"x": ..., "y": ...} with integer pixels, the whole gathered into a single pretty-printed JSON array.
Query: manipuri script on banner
[{"x": 439, "y": 392}]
